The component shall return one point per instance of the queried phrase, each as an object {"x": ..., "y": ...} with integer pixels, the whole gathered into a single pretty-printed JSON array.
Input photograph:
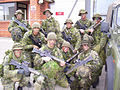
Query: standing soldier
[
  {"x": 100, "y": 39},
  {"x": 73, "y": 35},
  {"x": 50, "y": 24},
  {"x": 33, "y": 39},
  {"x": 12, "y": 74},
  {"x": 50, "y": 67},
  {"x": 18, "y": 27},
  {"x": 83, "y": 23},
  {"x": 87, "y": 73}
]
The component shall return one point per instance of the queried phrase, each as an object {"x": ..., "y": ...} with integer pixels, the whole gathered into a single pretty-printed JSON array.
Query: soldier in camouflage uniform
[
  {"x": 83, "y": 23},
  {"x": 50, "y": 24},
  {"x": 87, "y": 74},
  {"x": 100, "y": 39},
  {"x": 73, "y": 34},
  {"x": 33, "y": 39},
  {"x": 66, "y": 52},
  {"x": 14, "y": 26},
  {"x": 50, "y": 67},
  {"x": 11, "y": 74}
]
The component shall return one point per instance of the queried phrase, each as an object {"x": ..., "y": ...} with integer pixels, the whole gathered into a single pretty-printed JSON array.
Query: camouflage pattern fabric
[
  {"x": 11, "y": 73},
  {"x": 50, "y": 68},
  {"x": 13, "y": 24},
  {"x": 17, "y": 34},
  {"x": 75, "y": 37},
  {"x": 86, "y": 22},
  {"x": 66, "y": 55},
  {"x": 100, "y": 40},
  {"x": 27, "y": 42},
  {"x": 51, "y": 25},
  {"x": 86, "y": 74}
]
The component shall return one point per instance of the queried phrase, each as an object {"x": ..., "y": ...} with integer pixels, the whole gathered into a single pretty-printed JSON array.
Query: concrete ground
[{"x": 7, "y": 43}]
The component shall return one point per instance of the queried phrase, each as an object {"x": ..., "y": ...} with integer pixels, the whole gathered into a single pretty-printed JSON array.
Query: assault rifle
[
  {"x": 84, "y": 27},
  {"x": 96, "y": 25},
  {"x": 37, "y": 42},
  {"x": 79, "y": 63},
  {"x": 22, "y": 24},
  {"x": 70, "y": 59},
  {"x": 45, "y": 33},
  {"x": 24, "y": 66},
  {"x": 67, "y": 38},
  {"x": 46, "y": 54}
]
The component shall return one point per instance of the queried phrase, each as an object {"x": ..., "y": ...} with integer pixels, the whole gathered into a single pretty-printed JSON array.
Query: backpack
[{"x": 16, "y": 34}]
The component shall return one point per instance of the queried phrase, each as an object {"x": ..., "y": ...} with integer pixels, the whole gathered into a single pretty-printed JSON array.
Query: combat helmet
[
  {"x": 18, "y": 12},
  {"x": 68, "y": 20},
  {"x": 36, "y": 25},
  {"x": 51, "y": 35},
  {"x": 97, "y": 16},
  {"x": 82, "y": 11},
  {"x": 87, "y": 39},
  {"x": 65, "y": 43},
  {"x": 48, "y": 10},
  {"x": 17, "y": 46}
]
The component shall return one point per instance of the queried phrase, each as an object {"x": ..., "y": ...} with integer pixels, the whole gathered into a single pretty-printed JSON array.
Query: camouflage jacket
[
  {"x": 87, "y": 23},
  {"x": 14, "y": 24},
  {"x": 10, "y": 72},
  {"x": 55, "y": 52},
  {"x": 27, "y": 42},
  {"x": 95, "y": 64},
  {"x": 74, "y": 34},
  {"x": 51, "y": 25},
  {"x": 52, "y": 67},
  {"x": 100, "y": 39},
  {"x": 66, "y": 55}
]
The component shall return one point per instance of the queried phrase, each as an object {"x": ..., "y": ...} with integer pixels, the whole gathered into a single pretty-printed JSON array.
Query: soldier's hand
[
  {"x": 34, "y": 46},
  {"x": 46, "y": 59},
  {"x": 82, "y": 31},
  {"x": 90, "y": 30},
  {"x": 21, "y": 71},
  {"x": 62, "y": 63},
  {"x": 74, "y": 51}
]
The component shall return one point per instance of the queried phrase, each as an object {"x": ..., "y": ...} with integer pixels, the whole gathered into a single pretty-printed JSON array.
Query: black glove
[{"x": 21, "y": 71}]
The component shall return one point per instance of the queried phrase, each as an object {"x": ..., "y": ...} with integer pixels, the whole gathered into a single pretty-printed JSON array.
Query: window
[
  {"x": 118, "y": 17},
  {"x": 7, "y": 11}
]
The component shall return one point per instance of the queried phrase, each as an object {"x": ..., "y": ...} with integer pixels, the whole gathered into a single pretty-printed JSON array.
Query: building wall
[
  {"x": 66, "y": 6},
  {"x": 34, "y": 14}
]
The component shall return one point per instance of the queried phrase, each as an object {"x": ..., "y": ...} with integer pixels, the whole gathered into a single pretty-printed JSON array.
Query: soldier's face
[
  {"x": 17, "y": 52},
  {"x": 47, "y": 14},
  {"x": 36, "y": 31},
  {"x": 19, "y": 16},
  {"x": 51, "y": 43},
  {"x": 97, "y": 20},
  {"x": 83, "y": 16},
  {"x": 69, "y": 25},
  {"x": 65, "y": 49},
  {"x": 85, "y": 47}
]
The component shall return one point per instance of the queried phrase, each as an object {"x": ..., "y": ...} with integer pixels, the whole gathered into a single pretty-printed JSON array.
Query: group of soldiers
[{"x": 72, "y": 58}]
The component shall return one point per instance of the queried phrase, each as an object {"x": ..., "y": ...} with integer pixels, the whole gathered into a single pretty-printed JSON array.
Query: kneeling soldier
[{"x": 88, "y": 72}]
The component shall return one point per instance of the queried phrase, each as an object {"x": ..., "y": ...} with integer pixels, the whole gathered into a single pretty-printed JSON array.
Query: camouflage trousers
[
  {"x": 9, "y": 84},
  {"x": 103, "y": 56},
  {"x": 83, "y": 84}
]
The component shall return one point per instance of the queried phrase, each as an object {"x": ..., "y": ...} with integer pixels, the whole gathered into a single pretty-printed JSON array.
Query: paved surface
[{"x": 7, "y": 43}]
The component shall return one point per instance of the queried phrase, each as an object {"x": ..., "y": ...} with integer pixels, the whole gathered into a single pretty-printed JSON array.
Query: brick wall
[
  {"x": 36, "y": 15},
  {"x": 4, "y": 29},
  {"x": 36, "y": 11}
]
